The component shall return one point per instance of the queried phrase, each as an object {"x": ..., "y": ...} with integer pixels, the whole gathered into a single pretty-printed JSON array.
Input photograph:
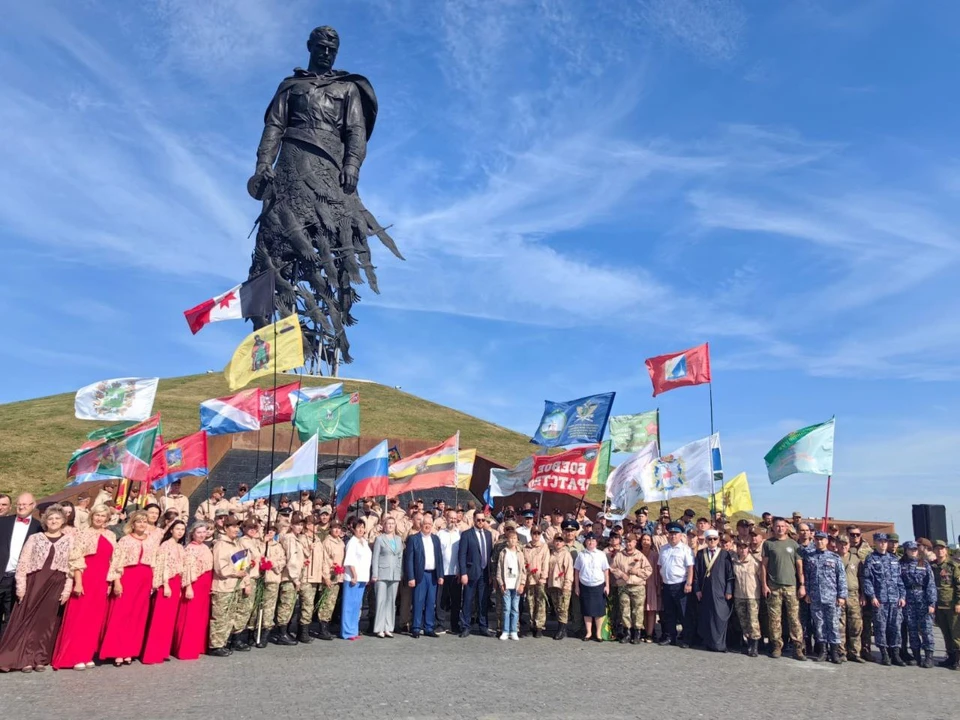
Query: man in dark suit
[
  {"x": 14, "y": 531},
  {"x": 476, "y": 548},
  {"x": 423, "y": 567}
]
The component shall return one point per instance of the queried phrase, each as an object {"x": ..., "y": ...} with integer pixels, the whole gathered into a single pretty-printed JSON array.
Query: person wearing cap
[
  {"x": 174, "y": 499},
  {"x": 331, "y": 576},
  {"x": 921, "y": 603},
  {"x": 554, "y": 529},
  {"x": 309, "y": 582},
  {"x": 523, "y": 530},
  {"x": 591, "y": 583},
  {"x": 946, "y": 572},
  {"x": 795, "y": 518},
  {"x": 713, "y": 585},
  {"x": 231, "y": 568},
  {"x": 324, "y": 513},
  {"x": 631, "y": 570},
  {"x": 826, "y": 596},
  {"x": 883, "y": 589},
  {"x": 746, "y": 594},
  {"x": 249, "y": 541},
  {"x": 289, "y": 579},
  {"x": 675, "y": 563},
  {"x": 687, "y": 520},
  {"x": 783, "y": 587},
  {"x": 208, "y": 508},
  {"x": 559, "y": 581},
  {"x": 642, "y": 524},
  {"x": 851, "y": 617},
  {"x": 571, "y": 531},
  {"x": 536, "y": 560}
]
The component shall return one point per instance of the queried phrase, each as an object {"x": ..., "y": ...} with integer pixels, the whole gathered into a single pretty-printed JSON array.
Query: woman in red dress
[
  {"x": 167, "y": 574},
  {"x": 87, "y": 608},
  {"x": 131, "y": 572},
  {"x": 193, "y": 615},
  {"x": 43, "y": 584}
]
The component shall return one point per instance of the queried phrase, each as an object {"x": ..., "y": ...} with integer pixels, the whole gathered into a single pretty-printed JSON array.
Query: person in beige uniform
[
  {"x": 746, "y": 594},
  {"x": 174, "y": 499},
  {"x": 536, "y": 557},
  {"x": 106, "y": 495},
  {"x": 331, "y": 576},
  {"x": 81, "y": 512},
  {"x": 251, "y": 542},
  {"x": 289, "y": 580},
  {"x": 304, "y": 505},
  {"x": 207, "y": 511},
  {"x": 560, "y": 583},
  {"x": 241, "y": 508},
  {"x": 630, "y": 570},
  {"x": 553, "y": 529},
  {"x": 230, "y": 570}
]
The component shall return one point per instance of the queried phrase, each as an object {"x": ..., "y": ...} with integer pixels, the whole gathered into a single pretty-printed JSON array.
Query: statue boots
[
  {"x": 324, "y": 633},
  {"x": 821, "y": 650},
  {"x": 895, "y": 657},
  {"x": 752, "y": 648},
  {"x": 561, "y": 632},
  {"x": 927, "y": 659},
  {"x": 835, "y": 654},
  {"x": 884, "y": 656}
]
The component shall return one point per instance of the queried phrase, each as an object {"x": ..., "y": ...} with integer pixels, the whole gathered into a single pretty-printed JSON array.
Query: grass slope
[{"x": 38, "y": 436}]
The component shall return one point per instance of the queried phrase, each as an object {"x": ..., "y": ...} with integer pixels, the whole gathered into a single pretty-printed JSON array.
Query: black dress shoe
[
  {"x": 431, "y": 633},
  {"x": 487, "y": 632},
  {"x": 464, "y": 633},
  {"x": 664, "y": 641}
]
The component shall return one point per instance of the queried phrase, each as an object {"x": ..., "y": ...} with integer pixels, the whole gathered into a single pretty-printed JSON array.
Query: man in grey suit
[{"x": 387, "y": 565}]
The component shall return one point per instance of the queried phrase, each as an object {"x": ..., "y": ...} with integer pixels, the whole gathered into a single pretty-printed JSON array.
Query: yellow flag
[
  {"x": 465, "y": 460},
  {"x": 735, "y": 496},
  {"x": 279, "y": 345}
]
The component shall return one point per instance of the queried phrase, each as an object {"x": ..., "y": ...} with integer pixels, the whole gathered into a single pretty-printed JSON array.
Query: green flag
[
  {"x": 632, "y": 433},
  {"x": 602, "y": 467},
  {"x": 807, "y": 450},
  {"x": 328, "y": 418},
  {"x": 122, "y": 453}
]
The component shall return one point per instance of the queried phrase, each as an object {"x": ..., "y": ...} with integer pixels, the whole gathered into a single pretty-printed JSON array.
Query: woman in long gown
[
  {"x": 167, "y": 583},
  {"x": 43, "y": 584},
  {"x": 131, "y": 572},
  {"x": 653, "y": 605},
  {"x": 86, "y": 610},
  {"x": 193, "y": 613},
  {"x": 713, "y": 583}
]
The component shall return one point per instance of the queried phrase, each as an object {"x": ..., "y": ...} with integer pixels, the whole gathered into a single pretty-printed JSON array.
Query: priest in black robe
[{"x": 713, "y": 584}]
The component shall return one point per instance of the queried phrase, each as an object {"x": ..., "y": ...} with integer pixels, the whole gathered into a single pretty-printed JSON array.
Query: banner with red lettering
[{"x": 568, "y": 472}]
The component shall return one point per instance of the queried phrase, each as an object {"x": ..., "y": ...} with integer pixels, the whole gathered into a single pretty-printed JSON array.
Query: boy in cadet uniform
[
  {"x": 630, "y": 569},
  {"x": 559, "y": 580},
  {"x": 271, "y": 567},
  {"x": 207, "y": 511},
  {"x": 947, "y": 575},
  {"x": 746, "y": 594},
  {"x": 174, "y": 499},
  {"x": 883, "y": 589},
  {"x": 230, "y": 569},
  {"x": 249, "y": 541},
  {"x": 826, "y": 596},
  {"x": 289, "y": 579},
  {"x": 536, "y": 557},
  {"x": 333, "y": 552},
  {"x": 553, "y": 529},
  {"x": 308, "y": 589},
  {"x": 323, "y": 522},
  {"x": 304, "y": 505},
  {"x": 851, "y": 619}
]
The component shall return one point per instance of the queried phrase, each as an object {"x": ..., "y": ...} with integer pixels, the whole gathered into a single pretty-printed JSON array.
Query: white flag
[
  {"x": 117, "y": 399},
  {"x": 625, "y": 482},
  {"x": 686, "y": 471},
  {"x": 504, "y": 482}
]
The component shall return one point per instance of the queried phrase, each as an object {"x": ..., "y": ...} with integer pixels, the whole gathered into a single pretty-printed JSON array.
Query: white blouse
[
  {"x": 591, "y": 566},
  {"x": 358, "y": 555}
]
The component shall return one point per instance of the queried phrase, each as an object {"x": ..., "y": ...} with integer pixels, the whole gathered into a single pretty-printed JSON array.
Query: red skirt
[
  {"x": 163, "y": 618},
  {"x": 193, "y": 617},
  {"x": 85, "y": 615},
  {"x": 127, "y": 614}
]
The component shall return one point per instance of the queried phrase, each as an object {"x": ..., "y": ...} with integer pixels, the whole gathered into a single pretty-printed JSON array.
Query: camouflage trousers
[
  {"x": 329, "y": 602},
  {"x": 919, "y": 625},
  {"x": 269, "y": 606},
  {"x": 784, "y": 596},
  {"x": 851, "y": 625},
  {"x": 245, "y": 606},
  {"x": 308, "y": 598},
  {"x": 286, "y": 601},
  {"x": 561, "y": 603},
  {"x": 632, "y": 599},
  {"x": 748, "y": 613},
  {"x": 224, "y": 619},
  {"x": 949, "y": 624},
  {"x": 537, "y": 602},
  {"x": 886, "y": 625},
  {"x": 825, "y": 618}
]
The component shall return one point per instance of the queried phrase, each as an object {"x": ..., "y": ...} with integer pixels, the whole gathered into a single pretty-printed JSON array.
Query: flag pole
[
  {"x": 713, "y": 480},
  {"x": 273, "y": 439},
  {"x": 336, "y": 470},
  {"x": 826, "y": 510},
  {"x": 660, "y": 449}
]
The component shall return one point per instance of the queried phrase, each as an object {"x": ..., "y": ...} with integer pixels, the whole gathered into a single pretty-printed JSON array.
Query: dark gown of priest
[{"x": 713, "y": 578}]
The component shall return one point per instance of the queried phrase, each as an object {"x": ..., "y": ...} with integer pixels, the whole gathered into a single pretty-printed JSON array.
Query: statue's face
[{"x": 322, "y": 56}]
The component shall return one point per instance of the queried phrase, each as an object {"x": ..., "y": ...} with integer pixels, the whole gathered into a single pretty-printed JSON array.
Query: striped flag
[
  {"x": 430, "y": 468},
  {"x": 366, "y": 477}
]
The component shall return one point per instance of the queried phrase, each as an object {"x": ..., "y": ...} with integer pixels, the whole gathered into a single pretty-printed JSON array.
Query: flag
[
  {"x": 127, "y": 456},
  {"x": 270, "y": 349},
  {"x": 601, "y": 469},
  {"x": 331, "y": 418},
  {"x": 240, "y": 561},
  {"x": 631, "y": 433},
  {"x": 505, "y": 482},
  {"x": 318, "y": 392},
  {"x": 573, "y": 422},
  {"x": 568, "y": 472},
  {"x": 158, "y": 465},
  {"x": 717, "y": 456},
  {"x": 734, "y": 497},
  {"x": 184, "y": 457},
  {"x": 807, "y": 450},
  {"x": 394, "y": 454},
  {"x": 685, "y": 471},
  {"x": 465, "y": 461},
  {"x": 298, "y": 472},
  {"x": 367, "y": 476},
  {"x": 232, "y": 414},
  {"x": 430, "y": 468},
  {"x": 690, "y": 367},
  {"x": 625, "y": 483},
  {"x": 117, "y": 399},
  {"x": 252, "y": 299},
  {"x": 276, "y": 405}
]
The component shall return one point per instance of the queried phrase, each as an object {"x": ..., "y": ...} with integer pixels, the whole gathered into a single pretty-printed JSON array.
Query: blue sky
[{"x": 574, "y": 188}]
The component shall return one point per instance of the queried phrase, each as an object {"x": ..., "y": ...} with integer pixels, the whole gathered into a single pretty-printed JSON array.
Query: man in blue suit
[
  {"x": 423, "y": 567},
  {"x": 476, "y": 548}
]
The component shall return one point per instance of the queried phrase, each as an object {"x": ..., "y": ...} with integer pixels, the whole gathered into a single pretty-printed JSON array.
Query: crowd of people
[{"x": 87, "y": 583}]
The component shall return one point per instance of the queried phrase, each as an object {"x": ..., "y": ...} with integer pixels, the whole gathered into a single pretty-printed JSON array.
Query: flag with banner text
[
  {"x": 508, "y": 481},
  {"x": 430, "y": 468},
  {"x": 367, "y": 476},
  {"x": 127, "y": 454},
  {"x": 330, "y": 418},
  {"x": 465, "y": 461},
  {"x": 568, "y": 472},
  {"x": 807, "y": 450},
  {"x": 574, "y": 422},
  {"x": 625, "y": 483},
  {"x": 734, "y": 497},
  {"x": 272, "y": 348},
  {"x": 686, "y": 471},
  {"x": 631, "y": 433},
  {"x": 128, "y": 399},
  {"x": 298, "y": 472},
  {"x": 688, "y": 367}
]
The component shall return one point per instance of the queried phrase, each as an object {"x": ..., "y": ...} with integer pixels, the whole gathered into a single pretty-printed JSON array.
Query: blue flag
[{"x": 574, "y": 422}]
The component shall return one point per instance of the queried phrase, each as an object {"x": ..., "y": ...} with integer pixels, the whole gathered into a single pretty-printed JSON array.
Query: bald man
[{"x": 14, "y": 531}]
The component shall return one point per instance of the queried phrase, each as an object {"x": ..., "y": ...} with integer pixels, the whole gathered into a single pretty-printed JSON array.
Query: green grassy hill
[{"x": 38, "y": 436}]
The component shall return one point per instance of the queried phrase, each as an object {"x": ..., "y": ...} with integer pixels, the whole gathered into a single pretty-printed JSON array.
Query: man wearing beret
[{"x": 947, "y": 575}]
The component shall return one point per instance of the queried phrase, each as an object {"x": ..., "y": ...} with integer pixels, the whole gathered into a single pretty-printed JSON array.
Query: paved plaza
[{"x": 483, "y": 678}]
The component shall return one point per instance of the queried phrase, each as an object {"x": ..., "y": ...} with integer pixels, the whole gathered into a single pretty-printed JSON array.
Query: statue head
[{"x": 323, "y": 44}]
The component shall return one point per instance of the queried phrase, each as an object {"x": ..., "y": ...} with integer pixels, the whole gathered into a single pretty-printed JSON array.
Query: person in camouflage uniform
[
  {"x": 308, "y": 586},
  {"x": 560, "y": 583},
  {"x": 249, "y": 541},
  {"x": 883, "y": 589},
  {"x": 862, "y": 550},
  {"x": 630, "y": 569},
  {"x": 851, "y": 619},
  {"x": 536, "y": 556},
  {"x": 332, "y": 576},
  {"x": 921, "y": 594},
  {"x": 946, "y": 573},
  {"x": 826, "y": 596},
  {"x": 230, "y": 569},
  {"x": 289, "y": 580}
]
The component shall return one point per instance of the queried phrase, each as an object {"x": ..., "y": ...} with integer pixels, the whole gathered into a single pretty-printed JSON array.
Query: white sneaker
[
  {"x": 504, "y": 636},
  {"x": 514, "y": 636}
]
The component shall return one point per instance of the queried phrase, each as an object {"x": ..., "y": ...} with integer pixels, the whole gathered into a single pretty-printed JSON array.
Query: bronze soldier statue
[{"x": 314, "y": 228}]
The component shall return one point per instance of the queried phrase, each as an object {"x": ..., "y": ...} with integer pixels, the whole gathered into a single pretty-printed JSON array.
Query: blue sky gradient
[{"x": 576, "y": 187}]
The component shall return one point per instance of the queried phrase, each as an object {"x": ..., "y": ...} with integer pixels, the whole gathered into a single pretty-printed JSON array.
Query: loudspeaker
[{"x": 930, "y": 521}]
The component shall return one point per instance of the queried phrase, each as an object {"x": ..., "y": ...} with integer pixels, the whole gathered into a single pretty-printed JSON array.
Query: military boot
[
  {"x": 220, "y": 652},
  {"x": 626, "y": 637},
  {"x": 927, "y": 659},
  {"x": 821, "y": 652},
  {"x": 910, "y": 660},
  {"x": 835, "y": 654},
  {"x": 279, "y": 637},
  {"x": 955, "y": 665},
  {"x": 752, "y": 648},
  {"x": 895, "y": 657},
  {"x": 798, "y": 652},
  {"x": 303, "y": 635},
  {"x": 264, "y": 637},
  {"x": 238, "y": 643},
  {"x": 561, "y": 632},
  {"x": 884, "y": 656},
  {"x": 324, "y": 633}
]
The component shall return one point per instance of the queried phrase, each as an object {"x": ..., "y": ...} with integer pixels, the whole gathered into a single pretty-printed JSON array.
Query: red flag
[
  {"x": 567, "y": 472},
  {"x": 158, "y": 463},
  {"x": 689, "y": 367},
  {"x": 275, "y": 405},
  {"x": 184, "y": 457},
  {"x": 251, "y": 299}
]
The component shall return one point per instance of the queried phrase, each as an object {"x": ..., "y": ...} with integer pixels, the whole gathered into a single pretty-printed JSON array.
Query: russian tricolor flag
[{"x": 366, "y": 477}]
